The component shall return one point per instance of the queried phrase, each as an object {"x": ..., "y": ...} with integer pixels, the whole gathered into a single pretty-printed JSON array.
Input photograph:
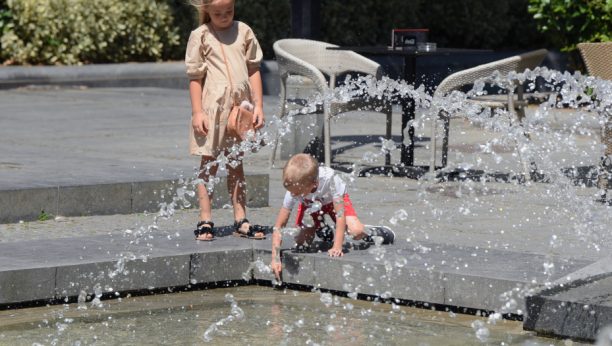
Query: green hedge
[
  {"x": 568, "y": 23},
  {"x": 89, "y": 31},
  {"x": 83, "y": 30}
]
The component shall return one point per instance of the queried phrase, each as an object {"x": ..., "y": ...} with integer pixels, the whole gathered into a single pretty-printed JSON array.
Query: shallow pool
[{"x": 271, "y": 317}]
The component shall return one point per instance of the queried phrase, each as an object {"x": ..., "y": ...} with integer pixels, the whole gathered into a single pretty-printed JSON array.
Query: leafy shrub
[
  {"x": 73, "y": 31},
  {"x": 5, "y": 20},
  {"x": 269, "y": 19},
  {"x": 92, "y": 31},
  {"x": 568, "y": 23}
]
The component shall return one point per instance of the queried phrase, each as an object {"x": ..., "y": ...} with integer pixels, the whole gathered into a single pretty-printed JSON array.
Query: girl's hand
[
  {"x": 199, "y": 123},
  {"x": 259, "y": 120},
  {"x": 335, "y": 252},
  {"x": 276, "y": 267}
]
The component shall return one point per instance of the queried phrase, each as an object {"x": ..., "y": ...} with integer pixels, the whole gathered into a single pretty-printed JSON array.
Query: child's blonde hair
[
  {"x": 300, "y": 169},
  {"x": 202, "y": 7}
]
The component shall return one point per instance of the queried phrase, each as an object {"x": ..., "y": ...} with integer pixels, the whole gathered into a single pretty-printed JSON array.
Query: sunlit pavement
[{"x": 97, "y": 135}]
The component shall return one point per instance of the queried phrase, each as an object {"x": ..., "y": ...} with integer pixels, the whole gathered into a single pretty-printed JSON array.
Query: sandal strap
[
  {"x": 253, "y": 229},
  {"x": 204, "y": 230}
]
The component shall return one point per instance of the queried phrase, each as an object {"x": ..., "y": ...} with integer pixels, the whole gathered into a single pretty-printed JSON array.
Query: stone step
[{"x": 115, "y": 198}]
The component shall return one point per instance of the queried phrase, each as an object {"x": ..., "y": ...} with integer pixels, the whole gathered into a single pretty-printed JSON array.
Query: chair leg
[
  {"x": 327, "y": 135},
  {"x": 389, "y": 112},
  {"x": 281, "y": 113},
  {"x": 605, "y": 164},
  {"x": 432, "y": 159},
  {"x": 445, "y": 142},
  {"x": 513, "y": 116}
]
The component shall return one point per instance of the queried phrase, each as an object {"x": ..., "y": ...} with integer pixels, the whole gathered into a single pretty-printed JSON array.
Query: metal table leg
[{"x": 408, "y": 112}]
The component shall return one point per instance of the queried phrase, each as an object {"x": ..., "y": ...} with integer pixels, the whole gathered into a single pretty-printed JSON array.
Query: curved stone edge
[{"x": 28, "y": 274}]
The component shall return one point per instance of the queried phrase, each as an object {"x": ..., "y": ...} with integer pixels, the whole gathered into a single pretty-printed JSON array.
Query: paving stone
[
  {"x": 257, "y": 190},
  {"x": 298, "y": 269},
  {"x": 23, "y": 285},
  {"x": 228, "y": 265},
  {"x": 104, "y": 199},
  {"x": 155, "y": 272},
  {"x": 27, "y": 204},
  {"x": 479, "y": 292}
]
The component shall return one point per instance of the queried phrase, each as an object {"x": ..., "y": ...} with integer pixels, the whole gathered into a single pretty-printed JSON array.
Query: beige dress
[{"x": 204, "y": 60}]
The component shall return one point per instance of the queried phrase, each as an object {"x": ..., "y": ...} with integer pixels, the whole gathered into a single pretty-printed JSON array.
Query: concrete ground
[{"x": 72, "y": 136}]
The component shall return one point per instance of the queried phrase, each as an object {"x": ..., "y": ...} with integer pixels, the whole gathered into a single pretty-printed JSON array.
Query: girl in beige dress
[{"x": 211, "y": 103}]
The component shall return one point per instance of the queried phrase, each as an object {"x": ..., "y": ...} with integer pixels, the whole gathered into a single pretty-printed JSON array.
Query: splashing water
[{"x": 530, "y": 140}]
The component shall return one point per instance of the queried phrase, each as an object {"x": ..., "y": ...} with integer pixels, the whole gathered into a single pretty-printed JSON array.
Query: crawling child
[{"x": 321, "y": 190}]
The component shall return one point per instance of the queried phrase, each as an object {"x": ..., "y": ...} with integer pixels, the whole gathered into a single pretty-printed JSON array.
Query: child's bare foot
[{"x": 204, "y": 231}]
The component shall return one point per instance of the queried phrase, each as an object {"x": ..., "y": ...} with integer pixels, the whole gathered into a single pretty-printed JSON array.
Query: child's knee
[{"x": 356, "y": 228}]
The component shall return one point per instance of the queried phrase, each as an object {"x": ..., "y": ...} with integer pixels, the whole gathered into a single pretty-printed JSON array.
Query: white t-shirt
[{"x": 330, "y": 187}]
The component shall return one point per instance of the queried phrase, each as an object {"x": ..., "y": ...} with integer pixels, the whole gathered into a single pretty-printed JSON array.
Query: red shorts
[{"x": 326, "y": 209}]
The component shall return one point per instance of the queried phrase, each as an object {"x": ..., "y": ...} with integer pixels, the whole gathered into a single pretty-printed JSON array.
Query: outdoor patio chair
[
  {"x": 455, "y": 81},
  {"x": 597, "y": 58},
  {"x": 311, "y": 59}
]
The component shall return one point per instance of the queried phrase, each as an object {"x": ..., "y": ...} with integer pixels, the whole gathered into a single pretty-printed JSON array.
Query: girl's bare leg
[
  {"x": 204, "y": 196},
  {"x": 355, "y": 227},
  {"x": 236, "y": 187}
]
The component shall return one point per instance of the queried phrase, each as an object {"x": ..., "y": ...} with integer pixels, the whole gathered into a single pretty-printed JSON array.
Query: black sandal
[
  {"x": 205, "y": 230},
  {"x": 325, "y": 233},
  {"x": 250, "y": 234}
]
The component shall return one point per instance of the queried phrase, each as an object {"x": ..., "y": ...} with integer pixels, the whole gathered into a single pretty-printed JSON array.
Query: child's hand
[
  {"x": 276, "y": 267},
  {"x": 199, "y": 123},
  {"x": 259, "y": 120},
  {"x": 336, "y": 252}
]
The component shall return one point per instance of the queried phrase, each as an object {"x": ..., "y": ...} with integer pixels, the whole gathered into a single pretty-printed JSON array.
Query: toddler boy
[{"x": 321, "y": 190}]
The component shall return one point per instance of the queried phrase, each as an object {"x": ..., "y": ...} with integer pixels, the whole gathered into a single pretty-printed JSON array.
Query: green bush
[
  {"x": 74, "y": 31},
  {"x": 89, "y": 31},
  {"x": 568, "y": 23},
  {"x": 5, "y": 20}
]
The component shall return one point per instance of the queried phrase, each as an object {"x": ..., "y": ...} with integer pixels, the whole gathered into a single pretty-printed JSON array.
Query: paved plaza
[
  {"x": 464, "y": 243},
  {"x": 69, "y": 136}
]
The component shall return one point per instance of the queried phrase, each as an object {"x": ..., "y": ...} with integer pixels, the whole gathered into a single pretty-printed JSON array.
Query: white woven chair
[
  {"x": 311, "y": 59},
  {"x": 455, "y": 81},
  {"x": 597, "y": 58}
]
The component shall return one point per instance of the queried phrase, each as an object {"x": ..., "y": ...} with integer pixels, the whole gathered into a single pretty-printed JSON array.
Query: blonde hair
[
  {"x": 202, "y": 7},
  {"x": 300, "y": 169}
]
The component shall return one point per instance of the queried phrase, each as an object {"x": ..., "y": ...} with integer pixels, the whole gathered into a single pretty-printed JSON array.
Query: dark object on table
[{"x": 408, "y": 37}]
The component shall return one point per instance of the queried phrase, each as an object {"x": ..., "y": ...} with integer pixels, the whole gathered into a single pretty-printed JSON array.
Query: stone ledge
[
  {"x": 578, "y": 306},
  {"x": 34, "y": 271},
  {"x": 114, "y": 198},
  {"x": 147, "y": 74}
]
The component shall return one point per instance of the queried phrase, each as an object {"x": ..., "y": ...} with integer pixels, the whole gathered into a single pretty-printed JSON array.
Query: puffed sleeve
[
  {"x": 195, "y": 57},
  {"x": 254, "y": 54}
]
